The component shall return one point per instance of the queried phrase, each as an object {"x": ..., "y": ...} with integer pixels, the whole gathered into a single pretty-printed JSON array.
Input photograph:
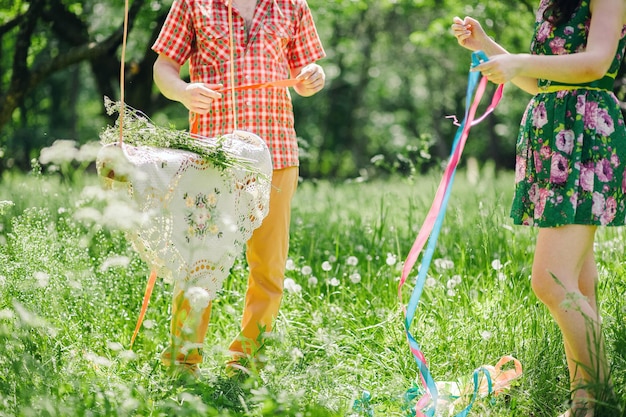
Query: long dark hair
[{"x": 559, "y": 11}]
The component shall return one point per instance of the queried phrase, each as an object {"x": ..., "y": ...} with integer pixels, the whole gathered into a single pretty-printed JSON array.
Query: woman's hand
[
  {"x": 502, "y": 68},
  {"x": 469, "y": 34}
]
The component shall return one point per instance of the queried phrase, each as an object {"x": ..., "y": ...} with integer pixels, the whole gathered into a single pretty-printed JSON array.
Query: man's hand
[{"x": 312, "y": 79}]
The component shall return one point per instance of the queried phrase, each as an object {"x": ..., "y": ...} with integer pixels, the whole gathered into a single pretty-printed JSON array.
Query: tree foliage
[{"x": 395, "y": 75}]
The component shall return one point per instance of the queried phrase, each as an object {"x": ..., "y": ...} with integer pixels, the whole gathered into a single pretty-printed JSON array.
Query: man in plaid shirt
[{"x": 272, "y": 40}]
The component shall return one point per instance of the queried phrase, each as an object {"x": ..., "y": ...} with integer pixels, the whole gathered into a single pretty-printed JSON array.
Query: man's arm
[{"x": 197, "y": 97}]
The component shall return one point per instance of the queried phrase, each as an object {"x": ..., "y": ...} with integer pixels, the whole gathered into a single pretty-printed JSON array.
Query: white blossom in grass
[
  {"x": 296, "y": 353},
  {"x": 352, "y": 261},
  {"x": 332, "y": 258},
  {"x": 496, "y": 264},
  {"x": 113, "y": 262},
  {"x": 334, "y": 282},
  {"x": 98, "y": 361},
  {"x": 42, "y": 278},
  {"x": 486, "y": 335},
  {"x": 312, "y": 281},
  {"x": 306, "y": 270},
  {"x": 149, "y": 324},
  {"x": 198, "y": 297},
  {"x": 359, "y": 248},
  {"x": 127, "y": 355},
  {"x": 326, "y": 266},
  {"x": 6, "y": 314},
  {"x": 501, "y": 276},
  {"x": 115, "y": 346},
  {"x": 5, "y": 204},
  {"x": 88, "y": 152},
  {"x": 391, "y": 259},
  {"x": 451, "y": 292},
  {"x": 291, "y": 265},
  {"x": 355, "y": 278},
  {"x": 457, "y": 279},
  {"x": 369, "y": 258},
  {"x": 451, "y": 284},
  {"x": 443, "y": 264},
  {"x": 430, "y": 282},
  {"x": 292, "y": 286},
  {"x": 60, "y": 152},
  {"x": 189, "y": 346},
  {"x": 3, "y": 280}
]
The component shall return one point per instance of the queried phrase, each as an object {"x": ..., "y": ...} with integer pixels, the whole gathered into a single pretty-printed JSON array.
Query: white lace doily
[{"x": 200, "y": 216}]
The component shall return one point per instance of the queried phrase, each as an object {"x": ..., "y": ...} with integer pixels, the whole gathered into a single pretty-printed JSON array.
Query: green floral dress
[{"x": 571, "y": 150}]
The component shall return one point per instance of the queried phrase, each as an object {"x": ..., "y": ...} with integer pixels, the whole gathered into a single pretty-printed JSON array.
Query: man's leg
[{"x": 266, "y": 253}]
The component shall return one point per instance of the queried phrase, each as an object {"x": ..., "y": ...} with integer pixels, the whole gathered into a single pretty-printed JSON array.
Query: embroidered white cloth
[{"x": 199, "y": 216}]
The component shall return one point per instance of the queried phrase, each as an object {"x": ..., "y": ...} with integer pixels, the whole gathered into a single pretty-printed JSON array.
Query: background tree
[{"x": 394, "y": 76}]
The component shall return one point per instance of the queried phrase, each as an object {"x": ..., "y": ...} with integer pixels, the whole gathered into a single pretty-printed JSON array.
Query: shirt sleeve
[
  {"x": 177, "y": 36},
  {"x": 305, "y": 47}
]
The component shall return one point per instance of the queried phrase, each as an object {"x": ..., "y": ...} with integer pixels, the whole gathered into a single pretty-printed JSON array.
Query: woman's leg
[{"x": 564, "y": 278}]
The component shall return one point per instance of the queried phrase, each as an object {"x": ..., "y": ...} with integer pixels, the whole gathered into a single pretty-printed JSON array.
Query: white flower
[
  {"x": 114, "y": 261},
  {"x": 352, "y": 261},
  {"x": 451, "y": 284},
  {"x": 291, "y": 265},
  {"x": 199, "y": 298},
  {"x": 88, "y": 152},
  {"x": 61, "y": 151},
  {"x": 297, "y": 353},
  {"x": 3, "y": 280},
  {"x": 334, "y": 282},
  {"x": 306, "y": 270},
  {"x": 332, "y": 258},
  {"x": 291, "y": 286},
  {"x": 149, "y": 324},
  {"x": 457, "y": 279},
  {"x": 443, "y": 263},
  {"x": 326, "y": 266},
  {"x": 451, "y": 293},
  {"x": 430, "y": 282},
  {"x": 391, "y": 259},
  {"x": 355, "y": 278},
  {"x": 42, "y": 279},
  {"x": 312, "y": 281},
  {"x": 496, "y": 264},
  {"x": 486, "y": 335}
]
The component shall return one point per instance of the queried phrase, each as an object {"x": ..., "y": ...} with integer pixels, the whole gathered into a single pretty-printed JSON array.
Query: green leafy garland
[{"x": 139, "y": 130}]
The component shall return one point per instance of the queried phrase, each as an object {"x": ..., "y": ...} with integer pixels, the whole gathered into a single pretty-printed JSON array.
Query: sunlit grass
[{"x": 70, "y": 292}]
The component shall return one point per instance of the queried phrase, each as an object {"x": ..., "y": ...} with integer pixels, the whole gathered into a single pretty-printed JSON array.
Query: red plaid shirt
[{"x": 282, "y": 36}]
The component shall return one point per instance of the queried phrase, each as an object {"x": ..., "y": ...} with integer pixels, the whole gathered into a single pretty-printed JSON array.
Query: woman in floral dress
[{"x": 570, "y": 165}]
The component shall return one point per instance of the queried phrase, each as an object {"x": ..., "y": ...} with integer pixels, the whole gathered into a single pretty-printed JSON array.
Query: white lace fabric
[{"x": 200, "y": 216}]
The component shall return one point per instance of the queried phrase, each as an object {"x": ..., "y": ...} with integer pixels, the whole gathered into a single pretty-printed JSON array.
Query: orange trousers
[{"x": 266, "y": 253}]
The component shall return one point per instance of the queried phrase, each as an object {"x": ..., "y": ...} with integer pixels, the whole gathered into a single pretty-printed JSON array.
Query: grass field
[{"x": 70, "y": 292}]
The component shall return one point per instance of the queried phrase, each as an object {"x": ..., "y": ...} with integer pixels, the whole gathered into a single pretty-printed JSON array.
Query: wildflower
[
  {"x": 60, "y": 152},
  {"x": 3, "y": 280},
  {"x": 355, "y": 278},
  {"x": 98, "y": 360},
  {"x": 149, "y": 324},
  {"x": 115, "y": 261},
  {"x": 501, "y": 276},
  {"x": 496, "y": 264},
  {"x": 88, "y": 152},
  {"x": 391, "y": 259},
  {"x": 457, "y": 279},
  {"x": 485, "y": 334},
  {"x": 333, "y": 282},
  {"x": 115, "y": 346},
  {"x": 312, "y": 281},
  {"x": 199, "y": 298},
  {"x": 306, "y": 270},
  {"x": 326, "y": 266},
  {"x": 430, "y": 282},
  {"x": 332, "y": 258},
  {"x": 443, "y": 263},
  {"x": 352, "y": 261},
  {"x": 297, "y": 353},
  {"x": 291, "y": 265},
  {"x": 291, "y": 286},
  {"x": 451, "y": 292},
  {"x": 42, "y": 279},
  {"x": 451, "y": 284}
]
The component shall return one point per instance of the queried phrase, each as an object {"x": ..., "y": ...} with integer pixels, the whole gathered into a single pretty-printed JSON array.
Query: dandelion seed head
[
  {"x": 501, "y": 276},
  {"x": 42, "y": 278},
  {"x": 88, "y": 152},
  {"x": 352, "y": 261},
  {"x": 496, "y": 264},
  {"x": 306, "y": 270},
  {"x": 296, "y": 353},
  {"x": 486, "y": 335},
  {"x": 443, "y": 264},
  {"x": 457, "y": 279},
  {"x": 369, "y": 258},
  {"x": 430, "y": 282},
  {"x": 115, "y": 261},
  {"x": 3, "y": 280},
  {"x": 391, "y": 259},
  {"x": 312, "y": 281},
  {"x": 451, "y": 284},
  {"x": 451, "y": 292},
  {"x": 60, "y": 152},
  {"x": 98, "y": 360},
  {"x": 334, "y": 282},
  {"x": 355, "y": 278},
  {"x": 149, "y": 324},
  {"x": 291, "y": 286},
  {"x": 326, "y": 266},
  {"x": 198, "y": 297},
  {"x": 290, "y": 265},
  {"x": 332, "y": 258},
  {"x": 115, "y": 346}
]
